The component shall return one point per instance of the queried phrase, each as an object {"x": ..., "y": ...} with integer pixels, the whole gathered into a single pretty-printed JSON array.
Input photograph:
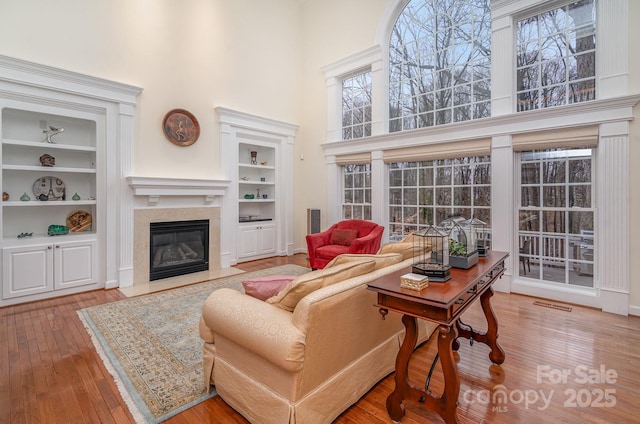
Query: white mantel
[{"x": 153, "y": 188}]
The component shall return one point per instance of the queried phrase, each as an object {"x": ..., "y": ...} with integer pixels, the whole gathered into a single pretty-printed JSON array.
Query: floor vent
[{"x": 553, "y": 306}]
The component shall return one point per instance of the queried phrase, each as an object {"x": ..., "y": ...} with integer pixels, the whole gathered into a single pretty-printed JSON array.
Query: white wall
[{"x": 191, "y": 54}]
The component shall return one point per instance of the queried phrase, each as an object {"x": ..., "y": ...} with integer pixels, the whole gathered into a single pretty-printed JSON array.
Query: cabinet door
[
  {"x": 247, "y": 241},
  {"x": 267, "y": 239},
  {"x": 27, "y": 270},
  {"x": 74, "y": 264}
]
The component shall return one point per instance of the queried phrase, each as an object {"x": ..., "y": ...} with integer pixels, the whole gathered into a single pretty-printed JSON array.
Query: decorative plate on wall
[
  {"x": 79, "y": 221},
  {"x": 181, "y": 127}
]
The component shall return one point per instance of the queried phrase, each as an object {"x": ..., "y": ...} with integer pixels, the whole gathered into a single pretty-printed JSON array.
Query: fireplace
[{"x": 178, "y": 248}]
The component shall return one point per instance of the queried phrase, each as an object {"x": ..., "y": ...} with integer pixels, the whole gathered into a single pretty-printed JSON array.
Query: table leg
[
  {"x": 395, "y": 406},
  {"x": 497, "y": 355},
  {"x": 444, "y": 405},
  {"x": 490, "y": 338}
]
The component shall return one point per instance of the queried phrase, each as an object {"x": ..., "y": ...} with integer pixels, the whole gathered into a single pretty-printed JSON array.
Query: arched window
[{"x": 440, "y": 63}]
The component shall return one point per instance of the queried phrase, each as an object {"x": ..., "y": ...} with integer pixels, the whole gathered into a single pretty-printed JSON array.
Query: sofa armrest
[{"x": 257, "y": 326}]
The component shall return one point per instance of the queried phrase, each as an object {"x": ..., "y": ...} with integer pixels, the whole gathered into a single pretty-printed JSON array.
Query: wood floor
[{"x": 577, "y": 366}]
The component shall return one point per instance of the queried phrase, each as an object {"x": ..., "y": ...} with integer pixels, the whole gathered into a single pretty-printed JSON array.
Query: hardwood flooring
[{"x": 577, "y": 366}]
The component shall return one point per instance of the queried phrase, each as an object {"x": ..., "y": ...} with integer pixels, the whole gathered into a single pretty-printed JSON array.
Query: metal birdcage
[
  {"x": 431, "y": 254},
  {"x": 479, "y": 228}
]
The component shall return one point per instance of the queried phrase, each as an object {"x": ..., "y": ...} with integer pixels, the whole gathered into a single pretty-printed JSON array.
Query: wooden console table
[{"x": 442, "y": 303}]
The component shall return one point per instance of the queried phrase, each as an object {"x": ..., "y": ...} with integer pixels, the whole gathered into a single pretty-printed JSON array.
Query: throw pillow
[
  {"x": 304, "y": 284},
  {"x": 381, "y": 261},
  {"x": 343, "y": 236},
  {"x": 265, "y": 287}
]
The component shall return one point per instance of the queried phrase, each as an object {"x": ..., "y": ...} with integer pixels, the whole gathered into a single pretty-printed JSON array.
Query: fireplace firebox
[{"x": 178, "y": 248}]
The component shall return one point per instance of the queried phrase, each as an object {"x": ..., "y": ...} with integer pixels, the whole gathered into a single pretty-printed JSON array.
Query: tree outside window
[
  {"x": 556, "y": 57},
  {"x": 440, "y": 64}
]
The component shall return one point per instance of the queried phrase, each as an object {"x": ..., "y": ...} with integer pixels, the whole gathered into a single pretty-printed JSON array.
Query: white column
[
  {"x": 334, "y": 193},
  {"x": 125, "y": 201},
  {"x": 502, "y": 66},
  {"x": 379, "y": 209},
  {"x": 612, "y": 243},
  {"x": 613, "y": 61},
  {"x": 503, "y": 208}
]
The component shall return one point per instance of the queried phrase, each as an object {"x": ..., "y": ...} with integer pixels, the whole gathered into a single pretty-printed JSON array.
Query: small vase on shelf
[
  {"x": 75, "y": 197},
  {"x": 25, "y": 197}
]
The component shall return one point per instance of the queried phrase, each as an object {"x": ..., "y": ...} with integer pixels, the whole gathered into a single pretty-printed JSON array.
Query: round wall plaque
[{"x": 181, "y": 127}]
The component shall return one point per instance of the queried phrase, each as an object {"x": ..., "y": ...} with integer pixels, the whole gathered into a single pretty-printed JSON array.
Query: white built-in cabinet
[
  {"x": 36, "y": 196},
  {"x": 257, "y": 156},
  {"x": 62, "y": 180}
]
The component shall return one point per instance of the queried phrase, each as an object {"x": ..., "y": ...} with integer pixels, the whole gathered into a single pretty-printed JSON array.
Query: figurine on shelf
[
  {"x": 47, "y": 160},
  {"x": 23, "y": 235},
  {"x": 5, "y": 196},
  {"x": 50, "y": 133},
  {"x": 254, "y": 157},
  {"x": 57, "y": 230},
  {"x": 264, "y": 163}
]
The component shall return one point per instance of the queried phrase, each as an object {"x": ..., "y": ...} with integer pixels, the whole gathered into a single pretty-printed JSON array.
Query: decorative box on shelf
[{"x": 414, "y": 281}]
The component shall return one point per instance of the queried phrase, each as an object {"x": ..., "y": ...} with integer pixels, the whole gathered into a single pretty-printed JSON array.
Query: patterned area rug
[{"x": 152, "y": 347}]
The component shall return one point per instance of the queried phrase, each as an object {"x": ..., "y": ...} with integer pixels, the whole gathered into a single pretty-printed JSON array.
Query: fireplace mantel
[{"x": 155, "y": 187}]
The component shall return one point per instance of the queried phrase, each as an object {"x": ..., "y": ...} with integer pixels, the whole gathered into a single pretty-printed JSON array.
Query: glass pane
[
  {"x": 395, "y": 177},
  {"x": 442, "y": 214},
  {"x": 426, "y": 176},
  {"x": 553, "y": 196},
  {"x": 580, "y": 196},
  {"x": 348, "y": 196},
  {"x": 530, "y": 173},
  {"x": 395, "y": 196},
  {"x": 462, "y": 196},
  {"x": 553, "y": 222},
  {"x": 395, "y": 214},
  {"x": 482, "y": 174},
  {"x": 482, "y": 196},
  {"x": 443, "y": 175},
  {"x": 529, "y": 221},
  {"x": 411, "y": 215},
  {"x": 483, "y": 215},
  {"x": 346, "y": 212},
  {"x": 553, "y": 171},
  {"x": 581, "y": 274},
  {"x": 580, "y": 171},
  {"x": 357, "y": 212},
  {"x": 367, "y": 212},
  {"x": 410, "y": 196},
  {"x": 443, "y": 196},
  {"x": 348, "y": 180},
  {"x": 462, "y": 175},
  {"x": 410, "y": 177},
  {"x": 581, "y": 223},
  {"x": 426, "y": 216},
  {"x": 358, "y": 196},
  {"x": 530, "y": 196},
  {"x": 554, "y": 271},
  {"x": 426, "y": 196}
]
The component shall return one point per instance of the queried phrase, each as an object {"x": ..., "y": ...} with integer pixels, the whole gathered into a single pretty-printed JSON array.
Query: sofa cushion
[
  {"x": 382, "y": 260},
  {"x": 343, "y": 236},
  {"x": 304, "y": 284},
  {"x": 265, "y": 287},
  {"x": 330, "y": 251}
]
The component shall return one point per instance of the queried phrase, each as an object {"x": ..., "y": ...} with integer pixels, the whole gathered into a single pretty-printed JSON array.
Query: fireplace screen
[{"x": 178, "y": 248}]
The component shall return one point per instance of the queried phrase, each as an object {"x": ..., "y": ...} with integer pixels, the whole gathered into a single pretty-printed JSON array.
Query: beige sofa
[{"x": 308, "y": 360}]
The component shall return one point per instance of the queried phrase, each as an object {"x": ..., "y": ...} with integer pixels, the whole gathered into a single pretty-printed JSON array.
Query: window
[
  {"x": 556, "y": 57},
  {"x": 556, "y": 216},
  {"x": 356, "y": 106},
  {"x": 426, "y": 193},
  {"x": 440, "y": 64},
  {"x": 356, "y": 192}
]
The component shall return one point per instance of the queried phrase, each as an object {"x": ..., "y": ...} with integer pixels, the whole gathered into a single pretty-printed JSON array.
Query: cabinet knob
[
  {"x": 57, "y": 246},
  {"x": 48, "y": 247}
]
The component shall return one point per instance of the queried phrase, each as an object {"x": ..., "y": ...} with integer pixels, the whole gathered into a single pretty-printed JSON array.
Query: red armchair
[{"x": 348, "y": 236}]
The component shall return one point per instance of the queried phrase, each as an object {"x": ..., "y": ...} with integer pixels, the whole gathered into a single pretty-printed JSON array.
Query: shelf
[
  {"x": 43, "y": 238},
  {"x": 270, "y": 200},
  {"x": 43, "y": 145},
  {"x": 48, "y": 169},
  {"x": 245, "y": 221},
  {"x": 250, "y": 182},
  {"x": 248, "y": 165},
  {"x": 39, "y": 203}
]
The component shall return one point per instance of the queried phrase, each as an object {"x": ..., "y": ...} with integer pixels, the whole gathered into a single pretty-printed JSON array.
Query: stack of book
[{"x": 414, "y": 281}]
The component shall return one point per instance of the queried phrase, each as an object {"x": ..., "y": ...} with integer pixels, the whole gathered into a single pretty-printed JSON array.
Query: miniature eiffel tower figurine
[{"x": 50, "y": 133}]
